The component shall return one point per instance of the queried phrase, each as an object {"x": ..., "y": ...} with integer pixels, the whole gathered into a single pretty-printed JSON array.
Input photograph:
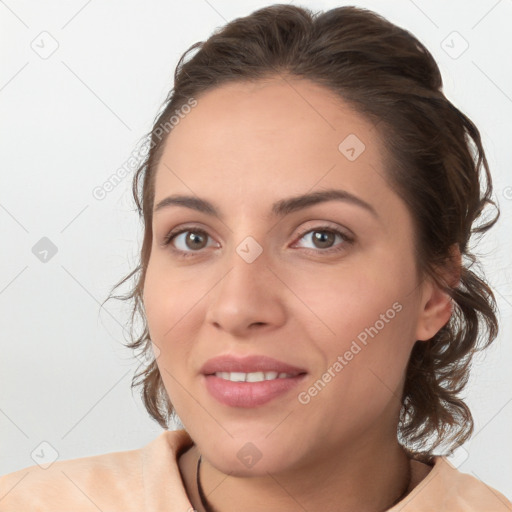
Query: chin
[{"x": 245, "y": 458}]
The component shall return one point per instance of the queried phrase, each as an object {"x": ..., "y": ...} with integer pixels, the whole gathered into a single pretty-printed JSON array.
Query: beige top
[{"x": 148, "y": 479}]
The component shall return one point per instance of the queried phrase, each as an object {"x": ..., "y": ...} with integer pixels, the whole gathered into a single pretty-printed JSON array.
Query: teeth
[
  {"x": 259, "y": 376},
  {"x": 252, "y": 376}
]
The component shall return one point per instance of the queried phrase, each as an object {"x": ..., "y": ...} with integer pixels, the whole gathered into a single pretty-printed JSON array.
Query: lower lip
[{"x": 249, "y": 394}]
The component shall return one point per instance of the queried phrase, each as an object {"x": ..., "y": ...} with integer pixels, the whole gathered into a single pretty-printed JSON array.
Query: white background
[{"x": 69, "y": 121}]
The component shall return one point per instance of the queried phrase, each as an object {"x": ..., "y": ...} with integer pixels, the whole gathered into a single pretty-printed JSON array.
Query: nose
[{"x": 248, "y": 297}]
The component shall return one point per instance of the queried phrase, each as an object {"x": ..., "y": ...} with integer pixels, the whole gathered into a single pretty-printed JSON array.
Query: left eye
[{"x": 323, "y": 238}]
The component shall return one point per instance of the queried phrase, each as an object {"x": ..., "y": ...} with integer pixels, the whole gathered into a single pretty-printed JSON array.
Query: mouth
[
  {"x": 249, "y": 381},
  {"x": 253, "y": 376}
]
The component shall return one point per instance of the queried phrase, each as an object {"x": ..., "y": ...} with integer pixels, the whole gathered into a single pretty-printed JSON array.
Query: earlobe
[{"x": 436, "y": 304}]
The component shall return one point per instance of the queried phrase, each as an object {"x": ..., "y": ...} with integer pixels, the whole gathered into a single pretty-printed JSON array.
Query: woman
[{"x": 308, "y": 200}]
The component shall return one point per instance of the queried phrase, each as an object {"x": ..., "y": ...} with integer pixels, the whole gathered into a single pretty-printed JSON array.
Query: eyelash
[{"x": 194, "y": 229}]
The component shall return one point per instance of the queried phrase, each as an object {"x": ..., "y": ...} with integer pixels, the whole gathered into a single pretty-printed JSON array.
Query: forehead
[{"x": 271, "y": 138}]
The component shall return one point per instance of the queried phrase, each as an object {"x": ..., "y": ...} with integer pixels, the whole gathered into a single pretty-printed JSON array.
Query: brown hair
[{"x": 434, "y": 160}]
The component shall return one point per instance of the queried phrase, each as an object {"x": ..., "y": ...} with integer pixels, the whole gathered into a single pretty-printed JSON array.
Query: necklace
[
  {"x": 209, "y": 508},
  {"x": 204, "y": 501}
]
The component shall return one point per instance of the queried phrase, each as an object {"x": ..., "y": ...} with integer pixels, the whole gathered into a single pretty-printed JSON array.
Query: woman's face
[{"x": 325, "y": 284}]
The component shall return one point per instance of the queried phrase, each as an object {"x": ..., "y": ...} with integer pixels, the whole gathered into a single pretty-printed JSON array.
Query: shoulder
[
  {"x": 112, "y": 481},
  {"x": 82, "y": 483},
  {"x": 445, "y": 488}
]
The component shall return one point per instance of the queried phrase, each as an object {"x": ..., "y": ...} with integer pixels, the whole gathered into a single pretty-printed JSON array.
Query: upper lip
[{"x": 248, "y": 364}]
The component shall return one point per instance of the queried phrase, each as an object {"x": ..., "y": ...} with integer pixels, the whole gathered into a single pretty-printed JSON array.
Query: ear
[{"x": 436, "y": 306}]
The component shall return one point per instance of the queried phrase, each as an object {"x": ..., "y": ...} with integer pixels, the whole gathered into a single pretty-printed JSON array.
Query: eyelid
[
  {"x": 183, "y": 229},
  {"x": 324, "y": 225},
  {"x": 347, "y": 239}
]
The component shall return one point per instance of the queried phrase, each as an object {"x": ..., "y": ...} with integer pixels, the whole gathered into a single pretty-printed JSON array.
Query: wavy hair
[{"x": 434, "y": 160}]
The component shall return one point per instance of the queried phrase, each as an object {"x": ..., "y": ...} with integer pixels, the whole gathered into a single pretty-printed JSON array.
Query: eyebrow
[{"x": 279, "y": 209}]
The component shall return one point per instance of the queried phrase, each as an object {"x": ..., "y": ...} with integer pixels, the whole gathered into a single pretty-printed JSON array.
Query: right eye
[{"x": 186, "y": 241}]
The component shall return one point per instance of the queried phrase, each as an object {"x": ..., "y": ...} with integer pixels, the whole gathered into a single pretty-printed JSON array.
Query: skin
[{"x": 244, "y": 147}]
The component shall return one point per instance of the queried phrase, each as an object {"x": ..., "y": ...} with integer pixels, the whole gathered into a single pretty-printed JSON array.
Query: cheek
[
  {"x": 361, "y": 381},
  {"x": 171, "y": 312},
  {"x": 175, "y": 303},
  {"x": 357, "y": 301},
  {"x": 363, "y": 326},
  {"x": 170, "y": 297},
  {"x": 169, "y": 315}
]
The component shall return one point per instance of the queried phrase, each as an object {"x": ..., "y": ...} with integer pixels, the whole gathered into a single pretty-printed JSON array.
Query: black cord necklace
[
  {"x": 202, "y": 497},
  {"x": 209, "y": 508}
]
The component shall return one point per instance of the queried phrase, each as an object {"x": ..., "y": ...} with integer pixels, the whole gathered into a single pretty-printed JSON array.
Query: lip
[
  {"x": 247, "y": 364},
  {"x": 249, "y": 394}
]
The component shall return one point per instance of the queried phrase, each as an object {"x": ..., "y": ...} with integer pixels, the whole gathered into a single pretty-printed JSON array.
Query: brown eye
[
  {"x": 187, "y": 240},
  {"x": 323, "y": 239},
  {"x": 195, "y": 240}
]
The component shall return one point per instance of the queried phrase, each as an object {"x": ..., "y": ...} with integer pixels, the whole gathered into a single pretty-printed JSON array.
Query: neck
[{"x": 366, "y": 478}]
